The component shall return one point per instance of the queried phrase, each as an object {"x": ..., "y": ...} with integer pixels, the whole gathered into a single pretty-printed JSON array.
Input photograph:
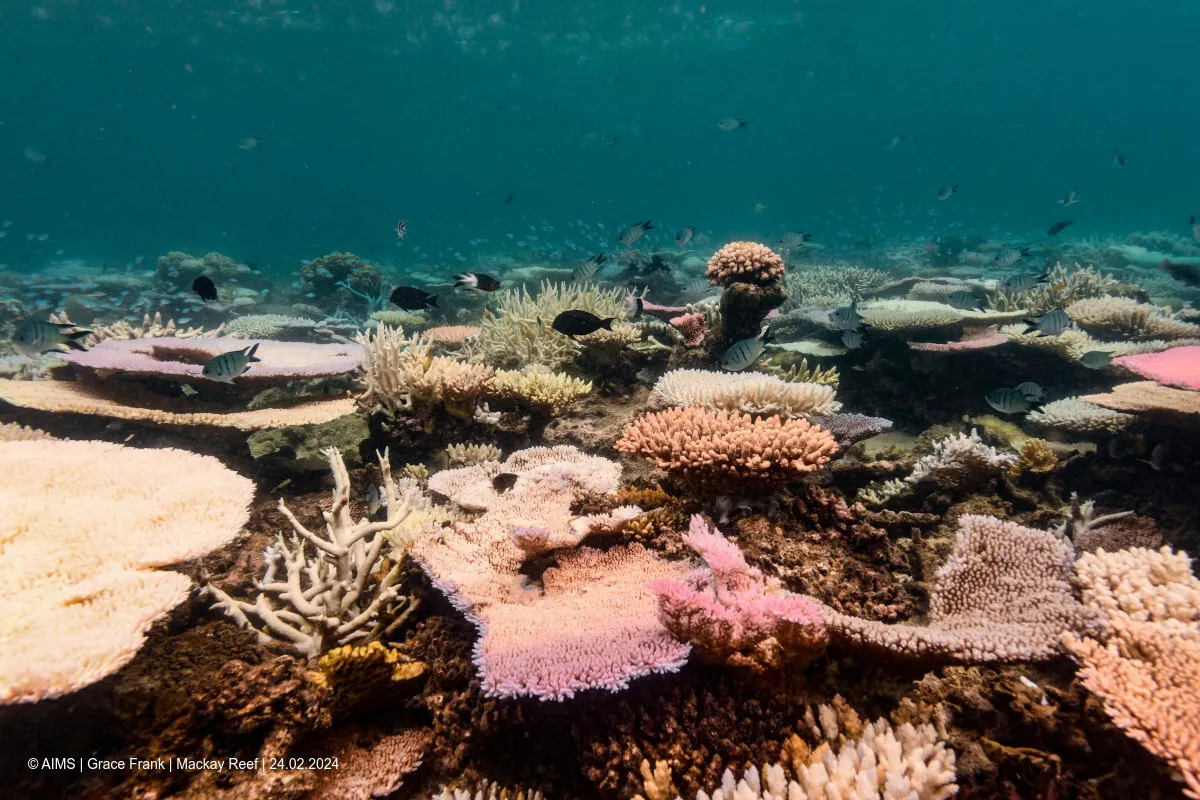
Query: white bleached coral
[
  {"x": 746, "y": 392},
  {"x": 908, "y": 315},
  {"x": 1146, "y": 585},
  {"x": 1123, "y": 318},
  {"x": 323, "y": 591},
  {"x": 403, "y": 376},
  {"x": 1076, "y": 416},
  {"x": 961, "y": 458}
]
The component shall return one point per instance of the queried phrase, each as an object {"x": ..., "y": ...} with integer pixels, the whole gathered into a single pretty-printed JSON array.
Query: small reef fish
[
  {"x": 580, "y": 323},
  {"x": 792, "y": 240},
  {"x": 1096, "y": 359},
  {"x": 1194, "y": 221},
  {"x": 37, "y": 156},
  {"x": 508, "y": 198},
  {"x": 1023, "y": 282},
  {"x": 1059, "y": 227},
  {"x": 478, "y": 281},
  {"x": 34, "y": 337},
  {"x": 1052, "y": 323},
  {"x": 1071, "y": 199},
  {"x": 744, "y": 353},
  {"x": 1184, "y": 273},
  {"x": 504, "y": 481},
  {"x": 376, "y": 499},
  {"x": 1008, "y": 401},
  {"x": 847, "y": 318},
  {"x": 636, "y": 306},
  {"x": 946, "y": 192},
  {"x": 410, "y": 298},
  {"x": 895, "y": 141},
  {"x": 227, "y": 366},
  {"x": 204, "y": 288},
  {"x": 1010, "y": 255},
  {"x": 964, "y": 300},
  {"x": 401, "y": 228},
  {"x": 1158, "y": 456},
  {"x": 1031, "y": 390},
  {"x": 250, "y": 143},
  {"x": 588, "y": 269},
  {"x": 1119, "y": 158},
  {"x": 684, "y": 237},
  {"x": 634, "y": 232},
  {"x": 731, "y": 124},
  {"x": 852, "y": 339}
]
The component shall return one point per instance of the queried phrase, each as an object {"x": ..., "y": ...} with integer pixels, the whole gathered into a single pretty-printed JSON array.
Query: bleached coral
[
  {"x": 1123, "y": 318},
  {"x": 748, "y": 392},
  {"x": 464, "y": 455},
  {"x": 1074, "y": 415},
  {"x": 879, "y": 495},
  {"x": 961, "y": 459},
  {"x": 15, "y": 432},
  {"x": 908, "y": 315},
  {"x": 1063, "y": 285},
  {"x": 539, "y": 389},
  {"x": 151, "y": 328},
  {"x": 801, "y": 373},
  {"x": 323, "y": 591},
  {"x": 403, "y": 376},
  {"x": 830, "y": 286},
  {"x": 1145, "y": 585},
  {"x": 269, "y": 326}
]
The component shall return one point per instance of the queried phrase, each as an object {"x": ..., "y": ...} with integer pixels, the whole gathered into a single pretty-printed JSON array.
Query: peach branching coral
[
  {"x": 724, "y": 447},
  {"x": 80, "y": 591},
  {"x": 1004, "y": 595},
  {"x": 539, "y": 389},
  {"x": 324, "y": 591},
  {"x": 744, "y": 262},
  {"x": 747, "y": 392}
]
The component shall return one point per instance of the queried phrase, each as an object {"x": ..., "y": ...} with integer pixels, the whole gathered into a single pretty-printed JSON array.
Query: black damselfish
[
  {"x": 410, "y": 298},
  {"x": 205, "y": 288},
  {"x": 580, "y": 323}
]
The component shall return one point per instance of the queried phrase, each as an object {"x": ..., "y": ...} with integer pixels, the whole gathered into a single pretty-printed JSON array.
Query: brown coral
[{"x": 744, "y": 262}]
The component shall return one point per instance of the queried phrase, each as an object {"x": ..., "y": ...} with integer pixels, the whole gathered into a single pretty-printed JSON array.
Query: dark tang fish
[
  {"x": 504, "y": 481},
  {"x": 580, "y": 323},
  {"x": 1059, "y": 227},
  {"x": 477, "y": 280},
  {"x": 411, "y": 298},
  {"x": 205, "y": 288}
]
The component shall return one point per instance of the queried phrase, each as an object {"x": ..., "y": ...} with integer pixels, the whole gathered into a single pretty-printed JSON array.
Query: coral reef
[{"x": 745, "y": 392}]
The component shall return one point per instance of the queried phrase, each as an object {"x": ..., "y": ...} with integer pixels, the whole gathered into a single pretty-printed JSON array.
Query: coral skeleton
[{"x": 324, "y": 591}]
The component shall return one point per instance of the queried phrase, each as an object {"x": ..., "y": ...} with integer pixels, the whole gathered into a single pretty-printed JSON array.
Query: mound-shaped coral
[{"x": 744, "y": 262}]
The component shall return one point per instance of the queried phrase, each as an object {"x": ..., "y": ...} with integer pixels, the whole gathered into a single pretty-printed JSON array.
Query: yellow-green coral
[
  {"x": 801, "y": 373},
  {"x": 1034, "y": 456},
  {"x": 462, "y": 455},
  {"x": 540, "y": 390},
  {"x": 880, "y": 494},
  {"x": 398, "y": 318},
  {"x": 359, "y": 673}
]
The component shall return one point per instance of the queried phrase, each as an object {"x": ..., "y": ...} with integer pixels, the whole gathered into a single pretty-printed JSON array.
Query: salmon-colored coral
[
  {"x": 744, "y": 262},
  {"x": 691, "y": 327}
]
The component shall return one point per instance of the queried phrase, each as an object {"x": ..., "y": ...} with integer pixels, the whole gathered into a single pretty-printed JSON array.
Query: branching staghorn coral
[
  {"x": 403, "y": 376},
  {"x": 748, "y": 392},
  {"x": 151, "y": 328},
  {"x": 1063, "y": 285},
  {"x": 519, "y": 332},
  {"x": 464, "y": 455},
  {"x": 1082, "y": 520},
  {"x": 324, "y": 591},
  {"x": 538, "y": 389}
]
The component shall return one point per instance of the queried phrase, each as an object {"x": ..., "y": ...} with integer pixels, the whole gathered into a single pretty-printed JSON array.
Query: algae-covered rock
[{"x": 298, "y": 449}]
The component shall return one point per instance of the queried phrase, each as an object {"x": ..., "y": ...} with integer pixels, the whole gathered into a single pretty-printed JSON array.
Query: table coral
[
  {"x": 1178, "y": 367},
  {"x": 747, "y": 392}
]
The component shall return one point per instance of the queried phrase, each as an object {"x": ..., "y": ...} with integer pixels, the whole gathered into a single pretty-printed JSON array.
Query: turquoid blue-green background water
[{"x": 436, "y": 111}]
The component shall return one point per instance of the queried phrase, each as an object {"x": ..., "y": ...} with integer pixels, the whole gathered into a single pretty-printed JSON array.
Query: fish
[
  {"x": 1159, "y": 456},
  {"x": 852, "y": 339},
  {"x": 684, "y": 237},
  {"x": 1052, "y": 323},
  {"x": 504, "y": 481},
  {"x": 636, "y": 306},
  {"x": 792, "y": 240},
  {"x": 37, "y": 156},
  {"x": 401, "y": 228},
  {"x": 1071, "y": 199},
  {"x": 588, "y": 269},
  {"x": 508, "y": 198},
  {"x": 1194, "y": 221},
  {"x": 227, "y": 366},
  {"x": 1031, "y": 390},
  {"x": 1010, "y": 255},
  {"x": 250, "y": 143},
  {"x": 1008, "y": 401},
  {"x": 410, "y": 298},
  {"x": 1184, "y": 273},
  {"x": 731, "y": 124},
  {"x": 1023, "y": 282},
  {"x": 1096, "y": 359},
  {"x": 946, "y": 192},
  {"x": 34, "y": 337},
  {"x": 478, "y": 281},
  {"x": 634, "y": 232},
  {"x": 1119, "y": 158},
  {"x": 376, "y": 499},
  {"x": 1059, "y": 227},
  {"x": 580, "y": 323},
  {"x": 895, "y": 141},
  {"x": 204, "y": 287},
  {"x": 744, "y": 353},
  {"x": 847, "y": 318},
  {"x": 965, "y": 300}
]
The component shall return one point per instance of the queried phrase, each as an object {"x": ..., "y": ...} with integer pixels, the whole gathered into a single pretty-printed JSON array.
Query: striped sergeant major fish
[{"x": 227, "y": 366}]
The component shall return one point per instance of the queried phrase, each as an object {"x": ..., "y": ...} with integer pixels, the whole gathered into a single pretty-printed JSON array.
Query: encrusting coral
[
  {"x": 728, "y": 449},
  {"x": 79, "y": 591},
  {"x": 321, "y": 592}
]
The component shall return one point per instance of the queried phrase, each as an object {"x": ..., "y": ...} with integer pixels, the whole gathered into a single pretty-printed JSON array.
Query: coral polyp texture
[
  {"x": 81, "y": 588},
  {"x": 744, "y": 262},
  {"x": 731, "y": 614},
  {"x": 748, "y": 392},
  {"x": 724, "y": 447}
]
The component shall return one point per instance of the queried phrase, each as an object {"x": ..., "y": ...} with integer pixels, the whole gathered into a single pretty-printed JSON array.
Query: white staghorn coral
[
  {"x": 324, "y": 591},
  {"x": 747, "y": 392},
  {"x": 403, "y": 375},
  {"x": 961, "y": 458}
]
